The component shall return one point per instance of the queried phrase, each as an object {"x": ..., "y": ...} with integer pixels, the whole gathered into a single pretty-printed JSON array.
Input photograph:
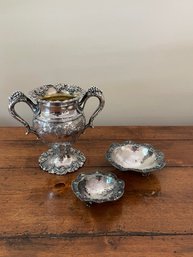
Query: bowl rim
[{"x": 160, "y": 162}]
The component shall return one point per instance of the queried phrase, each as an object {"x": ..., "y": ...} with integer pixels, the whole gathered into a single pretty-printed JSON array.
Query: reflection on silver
[
  {"x": 137, "y": 157},
  {"x": 58, "y": 120},
  {"x": 98, "y": 187},
  {"x": 57, "y": 162}
]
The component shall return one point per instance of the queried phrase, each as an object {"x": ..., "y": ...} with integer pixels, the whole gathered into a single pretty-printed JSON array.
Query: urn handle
[
  {"x": 92, "y": 92},
  {"x": 17, "y": 97}
]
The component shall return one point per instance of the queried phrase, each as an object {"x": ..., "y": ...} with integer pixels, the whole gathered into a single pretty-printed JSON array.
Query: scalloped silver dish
[
  {"x": 98, "y": 187},
  {"x": 129, "y": 155}
]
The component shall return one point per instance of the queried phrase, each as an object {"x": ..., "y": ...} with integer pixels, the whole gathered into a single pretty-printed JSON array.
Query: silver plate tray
[
  {"x": 129, "y": 155},
  {"x": 98, "y": 187}
]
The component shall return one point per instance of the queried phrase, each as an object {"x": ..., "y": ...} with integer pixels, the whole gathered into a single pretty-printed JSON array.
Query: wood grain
[
  {"x": 42, "y": 203},
  {"x": 162, "y": 246},
  {"x": 26, "y": 153},
  {"x": 40, "y": 216},
  {"x": 114, "y": 133}
]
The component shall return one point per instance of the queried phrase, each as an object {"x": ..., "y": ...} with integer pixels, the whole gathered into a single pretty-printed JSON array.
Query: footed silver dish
[
  {"x": 143, "y": 158},
  {"x": 98, "y": 187}
]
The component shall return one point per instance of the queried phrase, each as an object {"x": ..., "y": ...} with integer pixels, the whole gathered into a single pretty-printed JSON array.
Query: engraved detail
[
  {"x": 144, "y": 158},
  {"x": 93, "y": 91},
  {"x": 47, "y": 161},
  {"x": 40, "y": 92},
  {"x": 59, "y": 130},
  {"x": 17, "y": 96},
  {"x": 98, "y": 187},
  {"x": 58, "y": 122}
]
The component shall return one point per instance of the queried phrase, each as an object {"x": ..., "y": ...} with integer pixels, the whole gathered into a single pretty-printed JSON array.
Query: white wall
[{"x": 139, "y": 52}]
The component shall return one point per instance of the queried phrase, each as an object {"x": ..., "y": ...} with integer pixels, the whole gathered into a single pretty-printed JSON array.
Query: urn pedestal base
[{"x": 61, "y": 159}]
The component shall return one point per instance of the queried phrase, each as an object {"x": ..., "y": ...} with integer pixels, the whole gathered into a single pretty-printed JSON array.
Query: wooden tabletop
[{"x": 40, "y": 215}]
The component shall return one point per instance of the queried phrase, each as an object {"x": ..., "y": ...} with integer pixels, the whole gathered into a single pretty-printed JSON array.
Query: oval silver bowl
[
  {"x": 129, "y": 155},
  {"x": 98, "y": 187}
]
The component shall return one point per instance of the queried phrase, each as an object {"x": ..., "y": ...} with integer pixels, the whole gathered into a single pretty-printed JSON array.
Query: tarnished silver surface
[
  {"x": 54, "y": 161},
  {"x": 58, "y": 118},
  {"x": 129, "y": 155},
  {"x": 98, "y": 187}
]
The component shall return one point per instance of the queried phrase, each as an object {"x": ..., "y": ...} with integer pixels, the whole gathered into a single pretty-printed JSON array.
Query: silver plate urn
[{"x": 58, "y": 121}]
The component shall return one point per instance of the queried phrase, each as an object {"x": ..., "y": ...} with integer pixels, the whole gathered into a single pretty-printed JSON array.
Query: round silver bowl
[
  {"x": 98, "y": 187},
  {"x": 143, "y": 158}
]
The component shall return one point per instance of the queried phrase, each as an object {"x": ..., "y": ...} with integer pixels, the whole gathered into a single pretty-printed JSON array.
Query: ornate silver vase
[{"x": 58, "y": 121}]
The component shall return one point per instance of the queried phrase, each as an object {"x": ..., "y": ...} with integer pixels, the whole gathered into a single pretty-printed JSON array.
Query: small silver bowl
[
  {"x": 143, "y": 158},
  {"x": 98, "y": 187}
]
